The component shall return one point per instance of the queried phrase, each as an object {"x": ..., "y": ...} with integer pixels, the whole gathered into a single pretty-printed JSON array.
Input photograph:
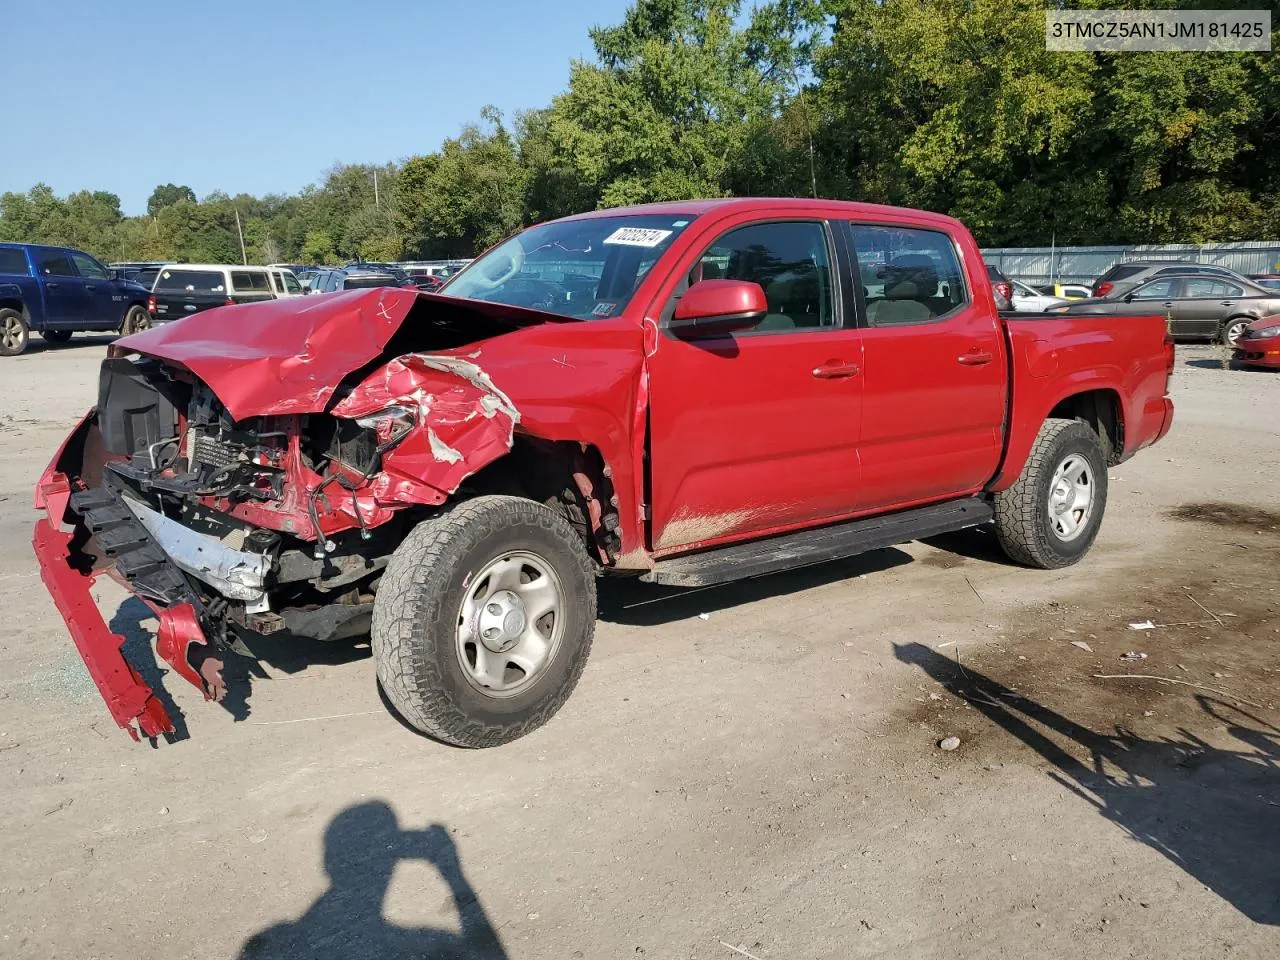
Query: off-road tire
[
  {"x": 1022, "y": 511},
  {"x": 1236, "y": 323},
  {"x": 14, "y": 333},
  {"x": 414, "y": 634},
  {"x": 135, "y": 321},
  {"x": 55, "y": 337}
]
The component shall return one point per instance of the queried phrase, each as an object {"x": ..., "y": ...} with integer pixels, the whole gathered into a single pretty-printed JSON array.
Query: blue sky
[{"x": 263, "y": 97}]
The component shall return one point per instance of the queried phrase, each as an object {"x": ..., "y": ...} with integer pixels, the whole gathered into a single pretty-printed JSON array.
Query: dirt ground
[{"x": 764, "y": 782}]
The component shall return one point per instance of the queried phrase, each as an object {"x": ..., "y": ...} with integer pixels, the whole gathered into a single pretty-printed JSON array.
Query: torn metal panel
[{"x": 235, "y": 574}]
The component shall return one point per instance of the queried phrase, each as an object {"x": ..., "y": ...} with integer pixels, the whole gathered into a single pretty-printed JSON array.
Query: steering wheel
[{"x": 516, "y": 256}]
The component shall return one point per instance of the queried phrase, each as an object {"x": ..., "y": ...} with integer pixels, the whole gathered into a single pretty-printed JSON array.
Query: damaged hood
[{"x": 288, "y": 356}]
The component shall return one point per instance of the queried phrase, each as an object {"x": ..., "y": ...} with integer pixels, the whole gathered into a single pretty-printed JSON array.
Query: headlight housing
[
  {"x": 390, "y": 424},
  {"x": 1262, "y": 334}
]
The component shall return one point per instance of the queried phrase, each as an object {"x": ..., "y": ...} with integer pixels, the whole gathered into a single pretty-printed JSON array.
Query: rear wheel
[
  {"x": 483, "y": 620},
  {"x": 1050, "y": 517},
  {"x": 14, "y": 333},
  {"x": 1232, "y": 329},
  {"x": 56, "y": 336},
  {"x": 135, "y": 321}
]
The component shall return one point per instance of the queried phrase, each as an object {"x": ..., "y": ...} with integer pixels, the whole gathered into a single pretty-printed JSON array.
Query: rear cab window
[
  {"x": 13, "y": 261},
  {"x": 191, "y": 281},
  {"x": 908, "y": 274}
]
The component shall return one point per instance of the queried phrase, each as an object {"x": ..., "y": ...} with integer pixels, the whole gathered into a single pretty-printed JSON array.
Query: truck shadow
[
  {"x": 38, "y": 344},
  {"x": 363, "y": 845},
  {"x": 1210, "y": 811},
  {"x": 632, "y": 602}
]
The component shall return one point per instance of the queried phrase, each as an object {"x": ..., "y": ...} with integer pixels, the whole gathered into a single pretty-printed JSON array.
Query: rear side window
[
  {"x": 1121, "y": 271},
  {"x": 191, "y": 281},
  {"x": 249, "y": 281},
  {"x": 54, "y": 263},
  {"x": 908, "y": 275},
  {"x": 1200, "y": 288},
  {"x": 12, "y": 260}
]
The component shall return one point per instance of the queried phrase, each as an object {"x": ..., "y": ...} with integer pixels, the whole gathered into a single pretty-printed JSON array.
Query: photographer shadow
[
  {"x": 362, "y": 847},
  {"x": 1212, "y": 812}
]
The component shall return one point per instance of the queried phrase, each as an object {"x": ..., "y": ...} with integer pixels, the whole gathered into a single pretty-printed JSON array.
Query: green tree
[
  {"x": 168, "y": 194},
  {"x": 318, "y": 248}
]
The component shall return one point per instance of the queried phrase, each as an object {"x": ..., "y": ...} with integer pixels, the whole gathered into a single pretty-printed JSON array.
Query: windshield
[{"x": 585, "y": 269}]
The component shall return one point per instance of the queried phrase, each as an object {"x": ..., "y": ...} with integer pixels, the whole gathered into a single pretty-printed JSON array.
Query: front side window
[
  {"x": 291, "y": 284},
  {"x": 90, "y": 268},
  {"x": 791, "y": 263},
  {"x": 1158, "y": 289},
  {"x": 908, "y": 275},
  {"x": 54, "y": 263},
  {"x": 585, "y": 269}
]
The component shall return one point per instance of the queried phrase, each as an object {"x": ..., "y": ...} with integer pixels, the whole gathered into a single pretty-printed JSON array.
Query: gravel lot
[{"x": 766, "y": 779}]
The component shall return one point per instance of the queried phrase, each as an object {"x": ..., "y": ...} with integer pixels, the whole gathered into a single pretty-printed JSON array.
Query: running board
[{"x": 789, "y": 550}]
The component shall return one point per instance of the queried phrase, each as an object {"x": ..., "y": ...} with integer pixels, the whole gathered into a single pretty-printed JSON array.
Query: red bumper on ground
[{"x": 131, "y": 702}]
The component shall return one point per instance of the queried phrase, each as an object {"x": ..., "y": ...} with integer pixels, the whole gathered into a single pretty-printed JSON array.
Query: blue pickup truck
[{"x": 56, "y": 291}]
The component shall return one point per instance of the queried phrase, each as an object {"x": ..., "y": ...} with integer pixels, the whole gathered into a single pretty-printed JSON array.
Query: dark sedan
[{"x": 1198, "y": 306}]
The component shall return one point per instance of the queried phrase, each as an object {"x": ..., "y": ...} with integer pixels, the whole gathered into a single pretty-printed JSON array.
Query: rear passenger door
[
  {"x": 1204, "y": 303},
  {"x": 66, "y": 302},
  {"x": 934, "y": 374}
]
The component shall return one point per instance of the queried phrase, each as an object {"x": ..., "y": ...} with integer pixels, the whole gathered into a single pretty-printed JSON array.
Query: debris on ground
[
  {"x": 1144, "y": 625},
  {"x": 1134, "y": 655},
  {"x": 949, "y": 744},
  {"x": 1082, "y": 645}
]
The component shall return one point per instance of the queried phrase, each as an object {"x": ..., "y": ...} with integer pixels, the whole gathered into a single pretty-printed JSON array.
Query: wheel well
[
  {"x": 12, "y": 304},
  {"x": 1101, "y": 410},
  {"x": 570, "y": 478}
]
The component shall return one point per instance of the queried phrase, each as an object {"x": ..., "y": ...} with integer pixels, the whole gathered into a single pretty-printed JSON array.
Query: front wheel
[
  {"x": 1050, "y": 517},
  {"x": 14, "y": 333},
  {"x": 135, "y": 321},
  {"x": 1232, "y": 329},
  {"x": 483, "y": 620}
]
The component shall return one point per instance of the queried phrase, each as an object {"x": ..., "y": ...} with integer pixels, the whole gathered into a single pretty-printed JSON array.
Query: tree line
[{"x": 950, "y": 105}]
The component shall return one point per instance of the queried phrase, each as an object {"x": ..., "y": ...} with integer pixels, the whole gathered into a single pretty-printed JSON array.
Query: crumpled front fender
[{"x": 464, "y": 421}]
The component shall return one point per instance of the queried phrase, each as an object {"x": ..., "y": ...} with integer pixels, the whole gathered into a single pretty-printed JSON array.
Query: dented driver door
[{"x": 757, "y": 431}]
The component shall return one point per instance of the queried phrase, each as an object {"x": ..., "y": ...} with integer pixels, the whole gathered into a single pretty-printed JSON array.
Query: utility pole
[
  {"x": 376, "y": 202},
  {"x": 244, "y": 257}
]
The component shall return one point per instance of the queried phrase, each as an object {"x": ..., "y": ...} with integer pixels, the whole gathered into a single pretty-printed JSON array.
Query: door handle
[
  {"x": 835, "y": 370},
  {"x": 90, "y": 286},
  {"x": 976, "y": 358},
  {"x": 51, "y": 286},
  {"x": 1228, "y": 303},
  {"x": 1168, "y": 303}
]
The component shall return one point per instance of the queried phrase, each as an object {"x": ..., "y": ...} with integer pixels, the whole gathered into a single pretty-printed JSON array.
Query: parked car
[
  {"x": 1030, "y": 300},
  {"x": 350, "y": 278},
  {"x": 700, "y": 397},
  {"x": 384, "y": 269},
  {"x": 1127, "y": 276},
  {"x": 1269, "y": 280},
  {"x": 1001, "y": 287},
  {"x": 1197, "y": 306},
  {"x": 1066, "y": 291},
  {"x": 429, "y": 282},
  {"x": 182, "y": 289},
  {"x": 1259, "y": 344},
  {"x": 57, "y": 291}
]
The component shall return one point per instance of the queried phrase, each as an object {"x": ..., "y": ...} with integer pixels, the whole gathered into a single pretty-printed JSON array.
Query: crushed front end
[{"x": 227, "y": 527}]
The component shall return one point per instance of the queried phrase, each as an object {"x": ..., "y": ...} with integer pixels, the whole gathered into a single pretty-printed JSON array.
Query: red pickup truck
[{"x": 689, "y": 392}]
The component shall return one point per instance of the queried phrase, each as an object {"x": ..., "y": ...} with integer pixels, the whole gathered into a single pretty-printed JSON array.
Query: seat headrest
[{"x": 911, "y": 276}]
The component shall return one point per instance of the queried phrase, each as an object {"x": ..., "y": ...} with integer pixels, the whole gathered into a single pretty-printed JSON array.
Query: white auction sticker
[{"x": 637, "y": 237}]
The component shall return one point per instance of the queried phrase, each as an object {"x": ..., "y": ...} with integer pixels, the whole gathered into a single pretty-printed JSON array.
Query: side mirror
[
  {"x": 713, "y": 308},
  {"x": 1128, "y": 298}
]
